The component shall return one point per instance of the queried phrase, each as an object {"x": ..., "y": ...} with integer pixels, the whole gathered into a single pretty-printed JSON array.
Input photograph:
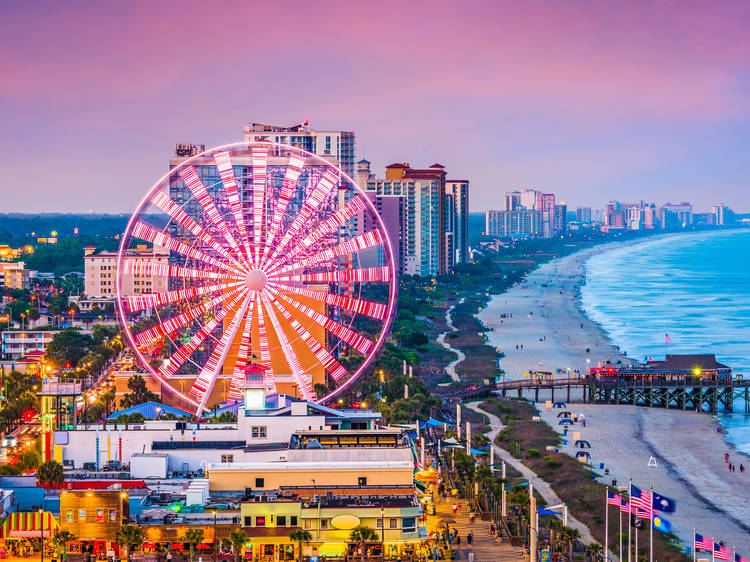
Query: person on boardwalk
[
  {"x": 455, "y": 508},
  {"x": 470, "y": 538},
  {"x": 470, "y": 556}
]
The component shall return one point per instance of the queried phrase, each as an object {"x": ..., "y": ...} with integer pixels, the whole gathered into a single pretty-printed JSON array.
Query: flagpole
[
  {"x": 635, "y": 546},
  {"x": 606, "y": 522},
  {"x": 713, "y": 549},
  {"x": 630, "y": 508},
  {"x": 693, "y": 544},
  {"x": 620, "y": 511},
  {"x": 651, "y": 528}
]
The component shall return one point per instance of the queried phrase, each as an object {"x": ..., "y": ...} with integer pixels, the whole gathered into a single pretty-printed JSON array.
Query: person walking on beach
[
  {"x": 742, "y": 468},
  {"x": 470, "y": 556}
]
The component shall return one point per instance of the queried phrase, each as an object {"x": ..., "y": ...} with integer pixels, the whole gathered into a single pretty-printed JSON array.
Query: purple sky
[{"x": 591, "y": 101}]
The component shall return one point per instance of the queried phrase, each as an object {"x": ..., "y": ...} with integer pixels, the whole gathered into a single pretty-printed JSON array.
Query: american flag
[
  {"x": 738, "y": 558},
  {"x": 702, "y": 543},
  {"x": 721, "y": 552},
  {"x": 641, "y": 499},
  {"x": 624, "y": 506},
  {"x": 614, "y": 499}
]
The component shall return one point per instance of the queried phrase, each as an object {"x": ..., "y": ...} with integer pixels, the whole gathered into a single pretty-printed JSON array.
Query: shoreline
[{"x": 545, "y": 313}]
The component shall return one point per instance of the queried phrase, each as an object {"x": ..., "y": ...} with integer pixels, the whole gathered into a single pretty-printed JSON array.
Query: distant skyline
[{"x": 589, "y": 100}]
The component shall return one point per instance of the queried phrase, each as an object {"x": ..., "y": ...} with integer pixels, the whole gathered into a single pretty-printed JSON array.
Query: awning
[
  {"x": 25, "y": 524},
  {"x": 332, "y": 549}
]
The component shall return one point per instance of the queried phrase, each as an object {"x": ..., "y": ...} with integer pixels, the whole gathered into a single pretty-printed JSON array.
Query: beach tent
[
  {"x": 580, "y": 454},
  {"x": 583, "y": 444},
  {"x": 558, "y": 405},
  {"x": 564, "y": 420},
  {"x": 451, "y": 442},
  {"x": 432, "y": 422},
  {"x": 566, "y": 414},
  {"x": 478, "y": 452}
]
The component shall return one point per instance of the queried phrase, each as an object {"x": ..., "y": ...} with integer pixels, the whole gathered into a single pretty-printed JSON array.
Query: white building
[
  {"x": 18, "y": 343},
  {"x": 101, "y": 272},
  {"x": 457, "y": 222}
]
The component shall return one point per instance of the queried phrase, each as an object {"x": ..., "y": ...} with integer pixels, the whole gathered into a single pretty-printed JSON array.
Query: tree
[
  {"x": 193, "y": 537},
  {"x": 68, "y": 347},
  {"x": 237, "y": 538},
  {"x": 129, "y": 536},
  {"x": 50, "y": 472},
  {"x": 300, "y": 536},
  {"x": 139, "y": 392},
  {"x": 29, "y": 460},
  {"x": 362, "y": 534},
  {"x": 570, "y": 535},
  {"x": 61, "y": 540}
]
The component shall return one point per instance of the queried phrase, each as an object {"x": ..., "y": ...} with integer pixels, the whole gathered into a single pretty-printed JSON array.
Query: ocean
[{"x": 695, "y": 288}]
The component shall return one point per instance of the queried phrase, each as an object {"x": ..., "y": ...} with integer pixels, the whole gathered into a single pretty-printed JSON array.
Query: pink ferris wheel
[{"x": 257, "y": 256}]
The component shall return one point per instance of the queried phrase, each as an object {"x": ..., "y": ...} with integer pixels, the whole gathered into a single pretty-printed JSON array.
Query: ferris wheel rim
[{"x": 147, "y": 199}]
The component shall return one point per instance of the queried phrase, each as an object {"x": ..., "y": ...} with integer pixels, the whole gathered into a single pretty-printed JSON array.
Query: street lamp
[
  {"x": 41, "y": 517},
  {"x": 382, "y": 533}
]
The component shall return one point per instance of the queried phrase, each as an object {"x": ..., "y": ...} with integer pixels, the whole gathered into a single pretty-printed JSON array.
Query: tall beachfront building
[
  {"x": 457, "y": 221},
  {"x": 517, "y": 223},
  {"x": 723, "y": 215},
  {"x": 415, "y": 200},
  {"x": 527, "y": 213}
]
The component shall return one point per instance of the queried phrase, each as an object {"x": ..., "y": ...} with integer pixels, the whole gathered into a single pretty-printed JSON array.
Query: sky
[{"x": 592, "y": 101}]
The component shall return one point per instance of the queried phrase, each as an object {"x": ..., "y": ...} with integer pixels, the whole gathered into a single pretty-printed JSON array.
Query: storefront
[{"x": 23, "y": 531}]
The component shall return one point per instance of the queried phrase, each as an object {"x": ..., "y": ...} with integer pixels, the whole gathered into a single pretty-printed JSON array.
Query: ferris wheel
[{"x": 255, "y": 255}]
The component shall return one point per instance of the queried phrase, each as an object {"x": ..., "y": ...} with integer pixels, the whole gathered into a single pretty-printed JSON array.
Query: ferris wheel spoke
[
  {"x": 345, "y": 334},
  {"x": 291, "y": 176},
  {"x": 334, "y": 368},
  {"x": 243, "y": 352},
  {"x": 338, "y": 219},
  {"x": 183, "y": 353},
  {"x": 206, "y": 379},
  {"x": 316, "y": 198},
  {"x": 358, "y": 306},
  {"x": 360, "y": 275},
  {"x": 195, "y": 185},
  {"x": 178, "y": 215},
  {"x": 356, "y": 244},
  {"x": 153, "y": 300},
  {"x": 150, "y": 234},
  {"x": 263, "y": 347},
  {"x": 174, "y": 271},
  {"x": 148, "y": 337},
  {"x": 260, "y": 161},
  {"x": 224, "y": 165},
  {"x": 304, "y": 381}
]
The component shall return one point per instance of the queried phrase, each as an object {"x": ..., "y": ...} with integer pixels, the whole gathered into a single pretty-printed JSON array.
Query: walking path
[
  {"x": 484, "y": 545},
  {"x": 544, "y": 489},
  {"x": 451, "y": 368}
]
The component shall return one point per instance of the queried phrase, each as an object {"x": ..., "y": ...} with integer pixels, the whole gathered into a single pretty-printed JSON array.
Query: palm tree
[
  {"x": 50, "y": 472},
  {"x": 362, "y": 534},
  {"x": 237, "y": 539},
  {"x": 300, "y": 536},
  {"x": 193, "y": 537},
  {"x": 61, "y": 540},
  {"x": 570, "y": 535},
  {"x": 129, "y": 536},
  {"x": 596, "y": 551}
]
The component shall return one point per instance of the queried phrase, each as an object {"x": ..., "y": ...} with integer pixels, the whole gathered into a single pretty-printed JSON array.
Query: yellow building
[{"x": 330, "y": 520}]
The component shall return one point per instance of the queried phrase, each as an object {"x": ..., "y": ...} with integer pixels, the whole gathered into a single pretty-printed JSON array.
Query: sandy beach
[{"x": 543, "y": 314}]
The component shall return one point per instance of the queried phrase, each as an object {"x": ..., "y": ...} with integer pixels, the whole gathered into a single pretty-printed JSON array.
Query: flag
[
  {"x": 663, "y": 503},
  {"x": 624, "y": 506},
  {"x": 661, "y": 524},
  {"x": 738, "y": 558},
  {"x": 702, "y": 543},
  {"x": 642, "y": 514},
  {"x": 721, "y": 552},
  {"x": 614, "y": 499},
  {"x": 635, "y": 521},
  {"x": 641, "y": 499},
  {"x": 667, "y": 339}
]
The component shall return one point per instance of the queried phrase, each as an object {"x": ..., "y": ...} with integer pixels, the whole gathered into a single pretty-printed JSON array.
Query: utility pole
[{"x": 532, "y": 525}]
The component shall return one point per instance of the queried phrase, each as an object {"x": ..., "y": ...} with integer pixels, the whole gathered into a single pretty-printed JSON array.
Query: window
[
  {"x": 362, "y": 481},
  {"x": 259, "y": 432},
  {"x": 281, "y": 520},
  {"x": 359, "y": 425},
  {"x": 292, "y": 520},
  {"x": 393, "y": 523},
  {"x": 308, "y": 524},
  {"x": 409, "y": 524},
  {"x": 324, "y": 523},
  {"x": 260, "y": 482},
  {"x": 227, "y": 458},
  {"x": 81, "y": 514},
  {"x": 378, "y": 523},
  {"x": 248, "y": 521},
  {"x": 260, "y": 521}
]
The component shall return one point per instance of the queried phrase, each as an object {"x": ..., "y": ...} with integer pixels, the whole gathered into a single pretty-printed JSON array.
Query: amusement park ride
[{"x": 277, "y": 259}]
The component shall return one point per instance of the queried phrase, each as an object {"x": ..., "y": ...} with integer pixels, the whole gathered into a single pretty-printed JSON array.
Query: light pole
[
  {"x": 41, "y": 517},
  {"x": 382, "y": 533},
  {"x": 216, "y": 539}
]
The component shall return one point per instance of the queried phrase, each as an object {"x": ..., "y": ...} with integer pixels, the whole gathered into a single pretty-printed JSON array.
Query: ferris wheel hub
[{"x": 256, "y": 279}]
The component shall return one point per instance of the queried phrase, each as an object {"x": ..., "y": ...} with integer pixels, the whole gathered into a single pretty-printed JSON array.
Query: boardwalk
[{"x": 485, "y": 547}]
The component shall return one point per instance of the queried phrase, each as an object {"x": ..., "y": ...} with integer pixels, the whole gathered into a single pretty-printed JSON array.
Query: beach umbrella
[
  {"x": 203, "y": 546},
  {"x": 149, "y": 545},
  {"x": 564, "y": 420},
  {"x": 176, "y": 546}
]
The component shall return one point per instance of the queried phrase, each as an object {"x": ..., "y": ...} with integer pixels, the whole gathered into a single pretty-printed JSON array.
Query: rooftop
[{"x": 706, "y": 362}]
